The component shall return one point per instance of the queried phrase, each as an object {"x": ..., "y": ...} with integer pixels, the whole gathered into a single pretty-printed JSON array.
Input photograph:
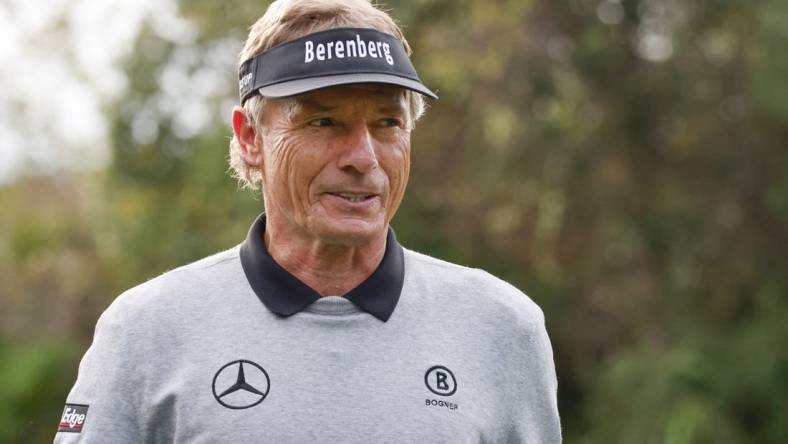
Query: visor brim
[{"x": 300, "y": 86}]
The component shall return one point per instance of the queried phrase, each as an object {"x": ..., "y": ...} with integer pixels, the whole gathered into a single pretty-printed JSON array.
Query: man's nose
[{"x": 359, "y": 153}]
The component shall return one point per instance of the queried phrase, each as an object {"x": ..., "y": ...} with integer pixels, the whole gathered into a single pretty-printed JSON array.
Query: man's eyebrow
[
  {"x": 315, "y": 105},
  {"x": 311, "y": 104},
  {"x": 391, "y": 109}
]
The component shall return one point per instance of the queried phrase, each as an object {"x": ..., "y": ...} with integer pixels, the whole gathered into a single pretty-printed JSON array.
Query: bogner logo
[
  {"x": 240, "y": 384},
  {"x": 440, "y": 380},
  {"x": 73, "y": 418},
  {"x": 341, "y": 49}
]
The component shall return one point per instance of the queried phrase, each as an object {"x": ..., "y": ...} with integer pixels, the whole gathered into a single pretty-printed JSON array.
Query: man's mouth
[{"x": 353, "y": 197}]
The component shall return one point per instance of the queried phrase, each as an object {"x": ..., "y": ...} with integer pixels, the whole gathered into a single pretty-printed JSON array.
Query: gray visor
[{"x": 334, "y": 57}]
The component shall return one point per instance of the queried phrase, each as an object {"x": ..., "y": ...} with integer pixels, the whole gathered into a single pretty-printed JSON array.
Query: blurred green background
[{"x": 625, "y": 163}]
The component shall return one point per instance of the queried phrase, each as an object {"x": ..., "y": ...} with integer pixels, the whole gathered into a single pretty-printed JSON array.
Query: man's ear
[{"x": 251, "y": 151}]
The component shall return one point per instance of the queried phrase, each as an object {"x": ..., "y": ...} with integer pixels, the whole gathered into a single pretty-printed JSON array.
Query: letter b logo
[{"x": 440, "y": 380}]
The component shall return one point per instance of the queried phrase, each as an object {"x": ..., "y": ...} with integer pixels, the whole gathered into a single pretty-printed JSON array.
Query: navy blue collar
[{"x": 284, "y": 294}]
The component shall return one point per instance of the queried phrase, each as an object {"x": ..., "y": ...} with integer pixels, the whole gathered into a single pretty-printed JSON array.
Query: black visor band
[{"x": 333, "y": 57}]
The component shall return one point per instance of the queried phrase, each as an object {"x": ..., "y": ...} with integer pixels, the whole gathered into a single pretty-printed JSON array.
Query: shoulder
[
  {"x": 474, "y": 289},
  {"x": 176, "y": 289}
]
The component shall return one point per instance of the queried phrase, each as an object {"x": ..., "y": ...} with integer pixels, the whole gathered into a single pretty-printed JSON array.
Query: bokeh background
[{"x": 625, "y": 163}]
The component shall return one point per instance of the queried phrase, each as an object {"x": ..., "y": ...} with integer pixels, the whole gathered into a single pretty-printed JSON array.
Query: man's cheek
[{"x": 397, "y": 183}]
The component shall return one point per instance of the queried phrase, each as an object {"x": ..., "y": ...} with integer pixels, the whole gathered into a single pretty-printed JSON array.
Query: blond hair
[{"x": 286, "y": 20}]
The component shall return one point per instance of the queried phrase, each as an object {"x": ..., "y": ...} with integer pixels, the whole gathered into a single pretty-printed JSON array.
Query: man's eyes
[
  {"x": 391, "y": 122},
  {"x": 323, "y": 121},
  {"x": 327, "y": 121}
]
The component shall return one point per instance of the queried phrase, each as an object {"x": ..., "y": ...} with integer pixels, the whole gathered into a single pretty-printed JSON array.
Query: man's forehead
[{"x": 385, "y": 95}]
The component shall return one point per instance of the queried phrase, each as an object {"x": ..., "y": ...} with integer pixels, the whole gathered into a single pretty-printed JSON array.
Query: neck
[{"x": 331, "y": 269}]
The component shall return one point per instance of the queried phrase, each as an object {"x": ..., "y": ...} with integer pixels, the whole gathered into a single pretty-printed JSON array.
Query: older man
[{"x": 320, "y": 327}]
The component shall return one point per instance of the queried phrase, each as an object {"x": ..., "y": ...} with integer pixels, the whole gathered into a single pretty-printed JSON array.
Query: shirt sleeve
[
  {"x": 535, "y": 407},
  {"x": 108, "y": 389}
]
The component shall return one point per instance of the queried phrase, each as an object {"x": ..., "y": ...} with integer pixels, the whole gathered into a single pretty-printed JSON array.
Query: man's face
[{"x": 336, "y": 161}]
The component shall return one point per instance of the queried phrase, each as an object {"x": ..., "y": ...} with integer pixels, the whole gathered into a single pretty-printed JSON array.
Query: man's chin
[{"x": 353, "y": 233}]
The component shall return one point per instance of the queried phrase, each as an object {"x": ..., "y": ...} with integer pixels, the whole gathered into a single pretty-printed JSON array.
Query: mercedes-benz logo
[{"x": 240, "y": 384}]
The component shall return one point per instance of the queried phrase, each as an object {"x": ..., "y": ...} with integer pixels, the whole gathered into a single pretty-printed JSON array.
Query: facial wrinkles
[
  {"x": 281, "y": 158},
  {"x": 299, "y": 179},
  {"x": 398, "y": 179},
  {"x": 291, "y": 144}
]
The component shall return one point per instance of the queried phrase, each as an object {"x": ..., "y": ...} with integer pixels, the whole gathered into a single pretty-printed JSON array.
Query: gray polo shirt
[{"x": 232, "y": 348}]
